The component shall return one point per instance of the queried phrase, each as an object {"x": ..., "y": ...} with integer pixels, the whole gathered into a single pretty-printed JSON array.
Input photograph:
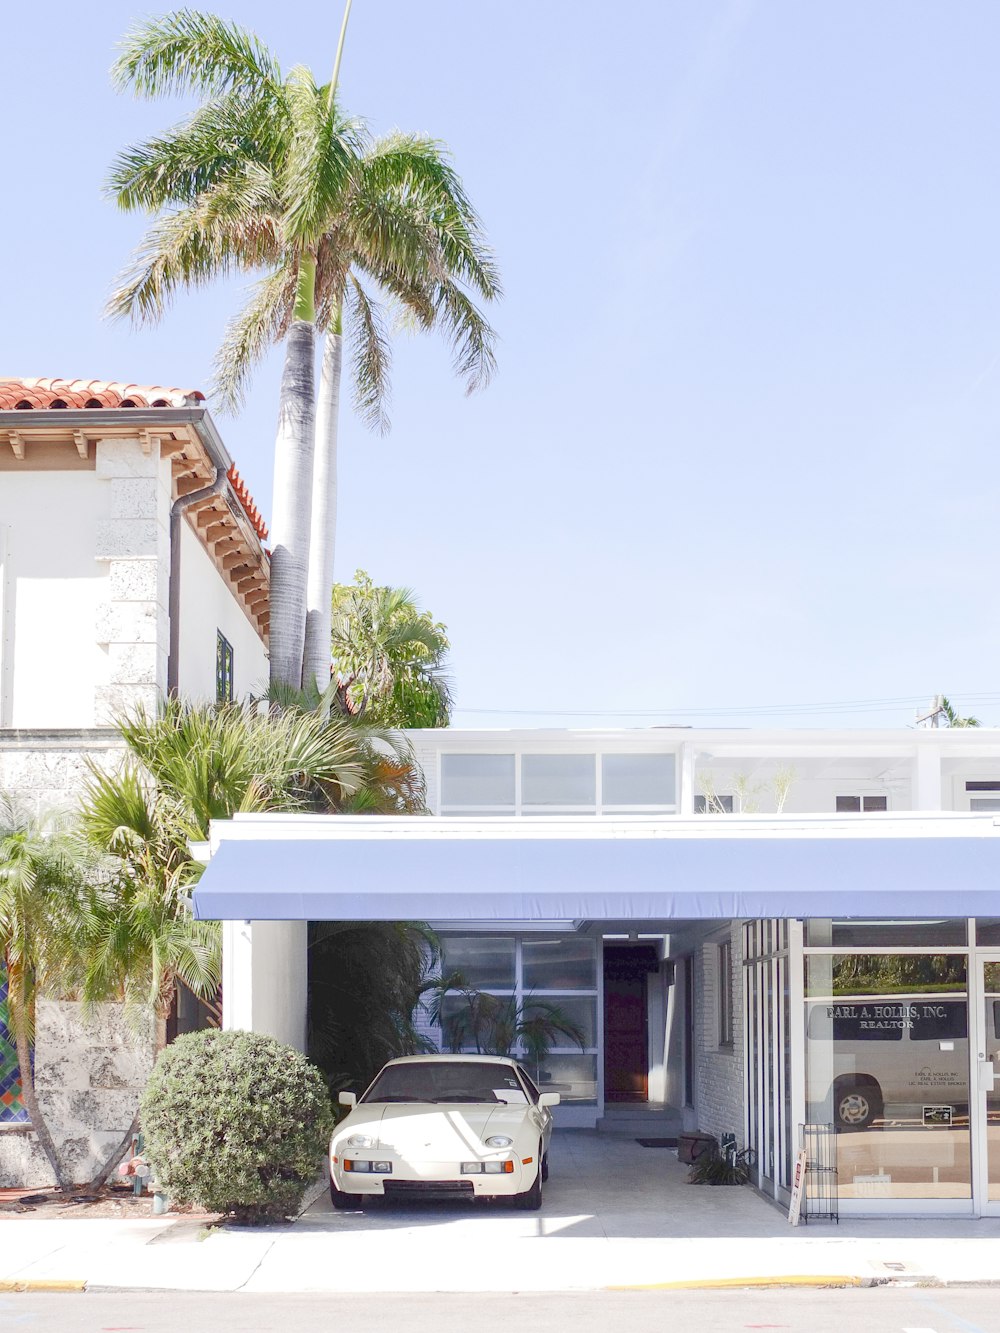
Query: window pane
[
  {"x": 578, "y": 1012},
  {"x": 713, "y": 805},
  {"x": 486, "y": 961},
  {"x": 558, "y": 779},
  {"x": 887, "y": 1062},
  {"x": 984, "y": 802},
  {"x": 876, "y": 803},
  {"x": 848, "y": 805},
  {"x": 885, "y": 934},
  {"x": 637, "y": 779},
  {"x": 560, "y": 964},
  {"x": 477, "y": 779},
  {"x": 574, "y": 1077}
]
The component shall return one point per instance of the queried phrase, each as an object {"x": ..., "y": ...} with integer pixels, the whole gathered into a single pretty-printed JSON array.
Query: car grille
[{"x": 408, "y": 1188}]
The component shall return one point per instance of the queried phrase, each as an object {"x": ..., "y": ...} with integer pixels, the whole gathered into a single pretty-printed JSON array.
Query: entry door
[
  {"x": 986, "y": 1085},
  {"x": 626, "y": 1071}
]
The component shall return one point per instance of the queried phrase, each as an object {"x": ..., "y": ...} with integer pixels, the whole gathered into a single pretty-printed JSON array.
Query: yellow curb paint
[
  {"x": 707, "y": 1283},
  {"x": 40, "y": 1284}
]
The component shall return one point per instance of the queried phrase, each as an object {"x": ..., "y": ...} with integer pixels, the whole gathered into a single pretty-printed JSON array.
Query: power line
[{"x": 829, "y": 707}]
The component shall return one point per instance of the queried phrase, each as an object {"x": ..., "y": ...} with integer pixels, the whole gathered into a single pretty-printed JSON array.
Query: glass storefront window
[
  {"x": 560, "y": 964},
  {"x": 484, "y": 961},
  {"x": 857, "y": 934},
  {"x": 887, "y": 1063},
  {"x": 574, "y": 1077}
]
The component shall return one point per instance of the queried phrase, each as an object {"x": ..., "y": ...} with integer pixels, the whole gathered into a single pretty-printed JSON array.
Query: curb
[
  {"x": 41, "y": 1284},
  {"x": 723, "y": 1283}
]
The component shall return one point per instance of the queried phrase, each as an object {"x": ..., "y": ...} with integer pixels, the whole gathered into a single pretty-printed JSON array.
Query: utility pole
[{"x": 933, "y": 717}]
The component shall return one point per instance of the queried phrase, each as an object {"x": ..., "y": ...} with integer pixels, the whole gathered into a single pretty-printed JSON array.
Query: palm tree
[
  {"x": 388, "y": 656},
  {"x": 39, "y": 880},
  {"x": 952, "y": 718},
  {"x": 270, "y": 175}
]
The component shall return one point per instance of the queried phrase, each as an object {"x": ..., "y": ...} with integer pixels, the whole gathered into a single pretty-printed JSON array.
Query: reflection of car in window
[{"x": 883, "y": 1050}]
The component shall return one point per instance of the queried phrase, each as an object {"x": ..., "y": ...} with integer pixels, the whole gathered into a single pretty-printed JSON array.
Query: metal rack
[{"x": 820, "y": 1197}]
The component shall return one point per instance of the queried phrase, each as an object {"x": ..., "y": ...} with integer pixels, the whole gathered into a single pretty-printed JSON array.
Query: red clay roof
[
  {"x": 246, "y": 501},
  {"x": 44, "y": 394}
]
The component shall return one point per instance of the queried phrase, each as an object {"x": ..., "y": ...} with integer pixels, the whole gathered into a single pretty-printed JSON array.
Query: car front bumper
[{"x": 432, "y": 1177}]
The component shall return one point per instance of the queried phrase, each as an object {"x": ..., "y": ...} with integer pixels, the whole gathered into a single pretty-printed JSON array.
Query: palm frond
[
  {"x": 188, "y": 51},
  {"x": 261, "y": 323},
  {"x": 320, "y": 160},
  {"x": 372, "y": 357},
  {"x": 472, "y": 337}
]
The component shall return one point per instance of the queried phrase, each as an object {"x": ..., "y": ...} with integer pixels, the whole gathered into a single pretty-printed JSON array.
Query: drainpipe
[{"x": 174, "y": 586}]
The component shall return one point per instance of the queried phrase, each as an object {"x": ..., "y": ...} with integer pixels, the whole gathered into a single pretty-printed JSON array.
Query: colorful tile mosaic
[{"x": 12, "y": 1110}]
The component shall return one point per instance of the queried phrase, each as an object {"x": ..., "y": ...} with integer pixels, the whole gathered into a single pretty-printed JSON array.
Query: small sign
[
  {"x": 938, "y": 1115},
  {"x": 798, "y": 1188}
]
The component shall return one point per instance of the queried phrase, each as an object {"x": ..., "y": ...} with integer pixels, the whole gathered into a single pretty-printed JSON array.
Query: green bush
[{"x": 236, "y": 1123}]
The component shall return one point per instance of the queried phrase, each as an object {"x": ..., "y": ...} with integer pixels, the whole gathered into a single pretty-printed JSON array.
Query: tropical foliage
[
  {"x": 365, "y": 982},
  {"x": 951, "y": 717},
  {"x": 40, "y": 883},
  {"x": 270, "y": 175},
  {"x": 388, "y": 656}
]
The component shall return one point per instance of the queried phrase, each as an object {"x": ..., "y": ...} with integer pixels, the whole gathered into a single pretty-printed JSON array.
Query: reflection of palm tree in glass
[{"x": 880, "y": 974}]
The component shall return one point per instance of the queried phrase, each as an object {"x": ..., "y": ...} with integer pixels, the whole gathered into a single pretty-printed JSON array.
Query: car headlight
[
  {"x": 498, "y": 1141},
  {"x": 361, "y": 1141}
]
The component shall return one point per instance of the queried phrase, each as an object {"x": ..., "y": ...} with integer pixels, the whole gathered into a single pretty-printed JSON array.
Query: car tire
[
  {"x": 545, "y": 1168},
  {"x": 530, "y": 1200},
  {"x": 340, "y": 1200},
  {"x": 857, "y": 1103}
]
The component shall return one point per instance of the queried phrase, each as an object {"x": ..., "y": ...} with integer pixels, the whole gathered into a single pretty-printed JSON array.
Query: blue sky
[{"x": 742, "y": 449}]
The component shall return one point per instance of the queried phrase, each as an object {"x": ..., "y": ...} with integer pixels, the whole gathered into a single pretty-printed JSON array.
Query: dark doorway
[{"x": 626, "y": 1037}]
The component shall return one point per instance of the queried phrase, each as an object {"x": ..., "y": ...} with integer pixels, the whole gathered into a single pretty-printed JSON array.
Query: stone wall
[
  {"x": 46, "y": 770},
  {"x": 89, "y": 1074}
]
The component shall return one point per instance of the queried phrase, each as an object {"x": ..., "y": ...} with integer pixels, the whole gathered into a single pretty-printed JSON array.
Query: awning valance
[{"x": 483, "y": 879}]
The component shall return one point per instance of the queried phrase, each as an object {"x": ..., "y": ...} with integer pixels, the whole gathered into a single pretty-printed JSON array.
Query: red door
[{"x": 626, "y": 1068}]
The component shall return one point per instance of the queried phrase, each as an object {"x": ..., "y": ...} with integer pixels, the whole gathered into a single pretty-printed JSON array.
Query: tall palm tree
[
  {"x": 270, "y": 175},
  {"x": 388, "y": 656},
  {"x": 39, "y": 881}
]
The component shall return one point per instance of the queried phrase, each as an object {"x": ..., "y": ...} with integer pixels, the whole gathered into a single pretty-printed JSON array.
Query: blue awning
[{"x": 483, "y": 879}]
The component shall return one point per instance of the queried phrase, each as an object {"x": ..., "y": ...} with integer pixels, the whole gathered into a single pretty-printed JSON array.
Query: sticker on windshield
[{"x": 513, "y": 1096}]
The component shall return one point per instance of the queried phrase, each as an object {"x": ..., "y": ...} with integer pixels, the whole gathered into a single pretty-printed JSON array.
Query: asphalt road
[{"x": 877, "y": 1310}]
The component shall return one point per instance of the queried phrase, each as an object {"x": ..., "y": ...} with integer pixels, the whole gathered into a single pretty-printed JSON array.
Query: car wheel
[
  {"x": 856, "y": 1105},
  {"x": 340, "y": 1200},
  {"x": 531, "y": 1199},
  {"x": 545, "y": 1167}
]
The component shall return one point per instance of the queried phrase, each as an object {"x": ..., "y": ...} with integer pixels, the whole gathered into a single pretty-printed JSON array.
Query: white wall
[
  {"x": 265, "y": 979},
  {"x": 51, "y": 590},
  {"x": 208, "y": 605}
]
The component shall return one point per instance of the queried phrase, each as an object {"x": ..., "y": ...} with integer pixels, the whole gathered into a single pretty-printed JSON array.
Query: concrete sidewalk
[{"x": 615, "y": 1215}]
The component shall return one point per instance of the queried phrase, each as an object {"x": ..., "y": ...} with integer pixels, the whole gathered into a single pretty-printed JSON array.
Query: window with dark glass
[
  {"x": 725, "y": 966},
  {"x": 847, "y": 805},
  {"x": 714, "y": 804},
  {"x": 223, "y": 669}
]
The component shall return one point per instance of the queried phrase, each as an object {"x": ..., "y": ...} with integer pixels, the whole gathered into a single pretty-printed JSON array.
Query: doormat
[{"x": 657, "y": 1143}]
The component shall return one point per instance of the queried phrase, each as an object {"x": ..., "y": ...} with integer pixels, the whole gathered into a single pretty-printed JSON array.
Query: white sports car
[{"x": 444, "y": 1125}]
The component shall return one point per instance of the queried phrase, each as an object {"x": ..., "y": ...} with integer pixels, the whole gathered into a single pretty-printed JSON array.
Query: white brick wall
[{"x": 718, "y": 1069}]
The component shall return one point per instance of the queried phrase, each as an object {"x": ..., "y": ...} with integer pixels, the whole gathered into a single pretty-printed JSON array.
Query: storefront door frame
[{"x": 980, "y": 1044}]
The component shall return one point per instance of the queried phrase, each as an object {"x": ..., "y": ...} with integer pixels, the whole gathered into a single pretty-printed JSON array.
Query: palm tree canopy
[
  {"x": 388, "y": 656},
  {"x": 269, "y": 175},
  {"x": 952, "y": 717}
]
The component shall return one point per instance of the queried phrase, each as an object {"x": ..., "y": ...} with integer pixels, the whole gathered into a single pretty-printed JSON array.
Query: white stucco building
[{"x": 132, "y": 565}]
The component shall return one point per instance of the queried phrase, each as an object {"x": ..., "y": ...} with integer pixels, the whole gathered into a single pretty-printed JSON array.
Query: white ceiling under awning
[{"x": 338, "y": 868}]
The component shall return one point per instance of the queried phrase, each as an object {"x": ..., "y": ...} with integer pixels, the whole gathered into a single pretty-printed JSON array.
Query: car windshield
[{"x": 446, "y": 1081}]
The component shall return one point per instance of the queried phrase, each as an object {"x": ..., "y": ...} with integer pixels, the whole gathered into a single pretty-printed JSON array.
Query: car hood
[{"x": 447, "y": 1129}]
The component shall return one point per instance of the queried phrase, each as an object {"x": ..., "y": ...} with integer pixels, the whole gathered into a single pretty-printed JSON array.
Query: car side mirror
[
  {"x": 548, "y": 1099},
  {"x": 348, "y": 1099}
]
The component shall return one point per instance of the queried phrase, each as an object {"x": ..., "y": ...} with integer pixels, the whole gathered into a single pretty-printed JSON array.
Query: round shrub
[{"x": 236, "y": 1123}]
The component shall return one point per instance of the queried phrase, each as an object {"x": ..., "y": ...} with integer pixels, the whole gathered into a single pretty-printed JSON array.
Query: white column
[
  {"x": 264, "y": 979},
  {"x": 927, "y": 778}
]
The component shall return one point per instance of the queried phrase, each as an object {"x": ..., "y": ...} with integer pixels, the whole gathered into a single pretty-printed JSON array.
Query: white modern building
[{"x": 755, "y": 931}]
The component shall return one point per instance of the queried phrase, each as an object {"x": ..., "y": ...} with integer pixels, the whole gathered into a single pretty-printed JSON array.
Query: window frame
[{"x": 225, "y": 670}]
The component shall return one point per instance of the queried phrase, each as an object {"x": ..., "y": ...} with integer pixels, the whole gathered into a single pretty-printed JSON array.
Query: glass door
[{"x": 986, "y": 1075}]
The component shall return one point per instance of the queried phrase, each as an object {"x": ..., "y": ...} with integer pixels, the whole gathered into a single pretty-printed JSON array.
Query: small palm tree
[
  {"x": 40, "y": 878},
  {"x": 269, "y": 175},
  {"x": 388, "y": 657},
  {"x": 500, "y": 1024},
  {"x": 951, "y": 716}
]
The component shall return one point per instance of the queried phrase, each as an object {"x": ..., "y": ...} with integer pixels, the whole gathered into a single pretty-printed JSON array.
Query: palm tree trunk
[
  {"x": 323, "y": 527},
  {"x": 19, "y": 1025},
  {"x": 293, "y": 456}
]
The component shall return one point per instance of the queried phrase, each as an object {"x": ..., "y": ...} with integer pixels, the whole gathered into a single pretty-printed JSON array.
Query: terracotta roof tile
[
  {"x": 43, "y": 394},
  {"x": 246, "y": 500}
]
